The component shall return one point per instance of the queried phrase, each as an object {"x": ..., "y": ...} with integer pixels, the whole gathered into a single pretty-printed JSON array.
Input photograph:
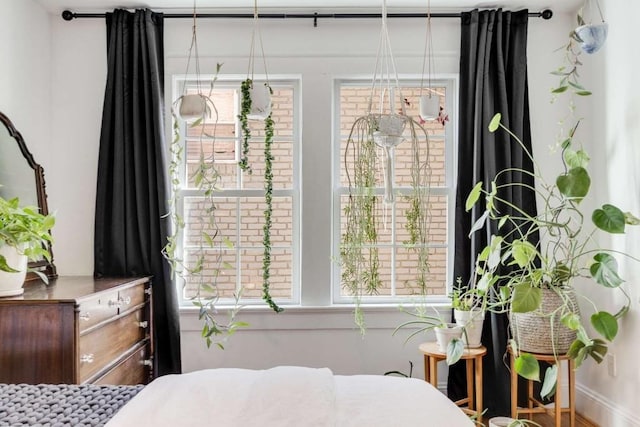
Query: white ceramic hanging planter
[
  {"x": 388, "y": 136},
  {"x": 429, "y": 106},
  {"x": 192, "y": 107},
  {"x": 592, "y": 36},
  {"x": 260, "y": 101},
  {"x": 11, "y": 283}
]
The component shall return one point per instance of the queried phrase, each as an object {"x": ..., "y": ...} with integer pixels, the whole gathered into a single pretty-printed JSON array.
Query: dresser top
[{"x": 70, "y": 288}]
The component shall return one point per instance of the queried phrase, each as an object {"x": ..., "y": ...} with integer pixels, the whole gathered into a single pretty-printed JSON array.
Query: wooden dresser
[{"x": 78, "y": 330}]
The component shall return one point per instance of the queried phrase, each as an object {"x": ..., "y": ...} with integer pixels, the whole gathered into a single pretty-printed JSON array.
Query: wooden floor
[{"x": 547, "y": 421}]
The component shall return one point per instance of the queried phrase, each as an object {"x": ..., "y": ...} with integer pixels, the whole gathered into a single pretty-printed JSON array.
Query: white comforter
[{"x": 288, "y": 396}]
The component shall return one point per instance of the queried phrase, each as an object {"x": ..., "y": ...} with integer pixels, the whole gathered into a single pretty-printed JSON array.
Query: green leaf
[
  {"x": 631, "y": 219},
  {"x": 473, "y": 197},
  {"x": 574, "y": 348},
  {"x": 525, "y": 298},
  {"x": 560, "y": 89},
  {"x": 495, "y": 122},
  {"x": 527, "y": 366},
  {"x": 479, "y": 224},
  {"x": 574, "y": 184},
  {"x": 571, "y": 321},
  {"x": 5, "y": 267},
  {"x": 610, "y": 219},
  {"x": 523, "y": 253},
  {"x": 494, "y": 255},
  {"x": 455, "y": 349},
  {"x": 583, "y": 92},
  {"x": 605, "y": 270},
  {"x": 228, "y": 243},
  {"x": 502, "y": 222},
  {"x": 605, "y": 324},
  {"x": 576, "y": 159},
  {"x": 549, "y": 383}
]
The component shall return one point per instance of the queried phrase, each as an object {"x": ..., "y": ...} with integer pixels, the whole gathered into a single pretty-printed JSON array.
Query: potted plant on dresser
[
  {"x": 24, "y": 235},
  {"x": 541, "y": 282}
]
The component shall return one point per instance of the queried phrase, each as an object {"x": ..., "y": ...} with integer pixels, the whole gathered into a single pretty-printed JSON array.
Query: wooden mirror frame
[{"x": 47, "y": 267}]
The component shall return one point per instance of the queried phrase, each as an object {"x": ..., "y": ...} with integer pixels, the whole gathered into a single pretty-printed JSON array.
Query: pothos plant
[
  {"x": 245, "y": 110},
  {"x": 359, "y": 254},
  {"x": 568, "y": 251},
  {"x": 206, "y": 178}
]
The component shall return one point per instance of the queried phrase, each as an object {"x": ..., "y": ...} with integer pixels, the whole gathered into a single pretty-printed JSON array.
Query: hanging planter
[
  {"x": 255, "y": 104},
  {"x": 192, "y": 107},
  {"x": 372, "y": 137},
  {"x": 429, "y": 101},
  {"x": 591, "y": 36}
]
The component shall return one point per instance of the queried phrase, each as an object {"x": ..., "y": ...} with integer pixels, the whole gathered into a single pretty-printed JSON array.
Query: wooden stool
[
  {"x": 473, "y": 356},
  {"x": 533, "y": 404}
]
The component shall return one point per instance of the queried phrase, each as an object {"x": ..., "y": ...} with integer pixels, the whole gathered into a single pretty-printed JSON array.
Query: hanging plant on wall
[
  {"x": 255, "y": 104},
  {"x": 205, "y": 178},
  {"x": 371, "y": 141}
]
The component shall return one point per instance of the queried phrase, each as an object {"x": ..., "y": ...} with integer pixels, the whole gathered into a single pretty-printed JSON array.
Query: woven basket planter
[{"x": 541, "y": 331}]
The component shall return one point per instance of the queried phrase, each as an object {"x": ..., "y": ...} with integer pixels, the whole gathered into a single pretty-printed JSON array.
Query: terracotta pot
[{"x": 11, "y": 283}]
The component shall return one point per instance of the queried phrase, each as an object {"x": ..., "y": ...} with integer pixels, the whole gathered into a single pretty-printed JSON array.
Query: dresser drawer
[
  {"x": 102, "y": 346},
  {"x": 97, "y": 309},
  {"x": 131, "y": 297},
  {"x": 133, "y": 370}
]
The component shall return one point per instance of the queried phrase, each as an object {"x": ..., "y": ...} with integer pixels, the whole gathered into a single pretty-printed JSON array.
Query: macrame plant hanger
[
  {"x": 429, "y": 102},
  {"x": 260, "y": 94},
  {"x": 390, "y": 126}
]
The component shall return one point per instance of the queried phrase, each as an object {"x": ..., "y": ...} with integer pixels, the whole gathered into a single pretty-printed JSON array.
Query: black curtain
[
  {"x": 493, "y": 79},
  {"x": 131, "y": 203}
]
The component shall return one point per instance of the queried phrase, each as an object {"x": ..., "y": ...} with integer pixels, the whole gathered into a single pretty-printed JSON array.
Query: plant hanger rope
[
  {"x": 256, "y": 32},
  {"x": 427, "y": 60},
  {"x": 385, "y": 70},
  {"x": 193, "y": 49}
]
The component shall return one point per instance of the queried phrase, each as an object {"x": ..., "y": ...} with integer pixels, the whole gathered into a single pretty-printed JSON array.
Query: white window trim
[
  {"x": 450, "y": 82},
  {"x": 227, "y": 80}
]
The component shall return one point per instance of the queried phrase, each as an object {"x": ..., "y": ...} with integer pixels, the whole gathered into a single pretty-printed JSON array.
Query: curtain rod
[{"x": 67, "y": 15}]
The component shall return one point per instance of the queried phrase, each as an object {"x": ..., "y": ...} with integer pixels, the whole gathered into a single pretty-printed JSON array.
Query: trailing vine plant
[
  {"x": 206, "y": 178},
  {"x": 249, "y": 111}
]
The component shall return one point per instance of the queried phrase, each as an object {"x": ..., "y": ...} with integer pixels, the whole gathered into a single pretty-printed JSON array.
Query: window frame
[
  {"x": 450, "y": 83},
  {"x": 295, "y": 192}
]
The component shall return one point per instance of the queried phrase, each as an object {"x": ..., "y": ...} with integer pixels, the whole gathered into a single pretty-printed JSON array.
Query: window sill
[{"x": 378, "y": 316}]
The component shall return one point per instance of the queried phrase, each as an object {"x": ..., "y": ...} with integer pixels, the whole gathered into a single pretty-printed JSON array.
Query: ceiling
[{"x": 57, "y": 6}]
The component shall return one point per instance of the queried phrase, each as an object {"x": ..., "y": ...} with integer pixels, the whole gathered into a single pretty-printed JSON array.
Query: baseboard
[{"x": 602, "y": 411}]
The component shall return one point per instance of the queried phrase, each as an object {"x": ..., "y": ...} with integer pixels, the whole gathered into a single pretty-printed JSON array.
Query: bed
[
  {"x": 282, "y": 396},
  {"x": 288, "y": 396}
]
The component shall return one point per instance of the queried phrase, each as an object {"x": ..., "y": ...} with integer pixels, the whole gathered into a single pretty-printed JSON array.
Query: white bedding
[{"x": 288, "y": 396}]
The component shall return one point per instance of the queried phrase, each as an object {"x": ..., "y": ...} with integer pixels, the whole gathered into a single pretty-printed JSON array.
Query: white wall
[
  {"x": 25, "y": 95},
  {"x": 326, "y": 337},
  {"x": 615, "y": 154}
]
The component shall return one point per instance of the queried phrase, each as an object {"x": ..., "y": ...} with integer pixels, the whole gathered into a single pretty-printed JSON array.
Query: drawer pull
[
  {"x": 148, "y": 291},
  {"x": 85, "y": 316},
  {"x": 147, "y": 362},
  {"x": 86, "y": 358},
  {"x": 120, "y": 302},
  {"x": 144, "y": 324}
]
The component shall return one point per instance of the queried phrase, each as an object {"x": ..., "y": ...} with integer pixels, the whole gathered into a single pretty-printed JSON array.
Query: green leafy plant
[
  {"x": 206, "y": 179},
  {"x": 27, "y": 230},
  {"x": 423, "y": 322},
  {"x": 567, "y": 250},
  {"x": 245, "y": 109}
]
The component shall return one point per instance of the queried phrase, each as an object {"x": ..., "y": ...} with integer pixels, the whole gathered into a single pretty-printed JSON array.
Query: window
[
  {"x": 239, "y": 199},
  {"x": 397, "y": 262}
]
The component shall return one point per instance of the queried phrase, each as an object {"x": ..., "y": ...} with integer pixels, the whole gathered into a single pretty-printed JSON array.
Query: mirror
[{"x": 22, "y": 177}]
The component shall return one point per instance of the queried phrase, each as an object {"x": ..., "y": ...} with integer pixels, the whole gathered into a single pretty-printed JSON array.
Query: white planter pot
[
  {"x": 592, "y": 36},
  {"x": 192, "y": 107},
  {"x": 429, "y": 107},
  {"x": 11, "y": 283},
  {"x": 260, "y": 101},
  {"x": 472, "y": 322},
  {"x": 445, "y": 335},
  {"x": 500, "y": 421}
]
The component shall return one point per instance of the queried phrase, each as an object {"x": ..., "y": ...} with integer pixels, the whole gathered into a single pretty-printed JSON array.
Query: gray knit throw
[{"x": 49, "y": 405}]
